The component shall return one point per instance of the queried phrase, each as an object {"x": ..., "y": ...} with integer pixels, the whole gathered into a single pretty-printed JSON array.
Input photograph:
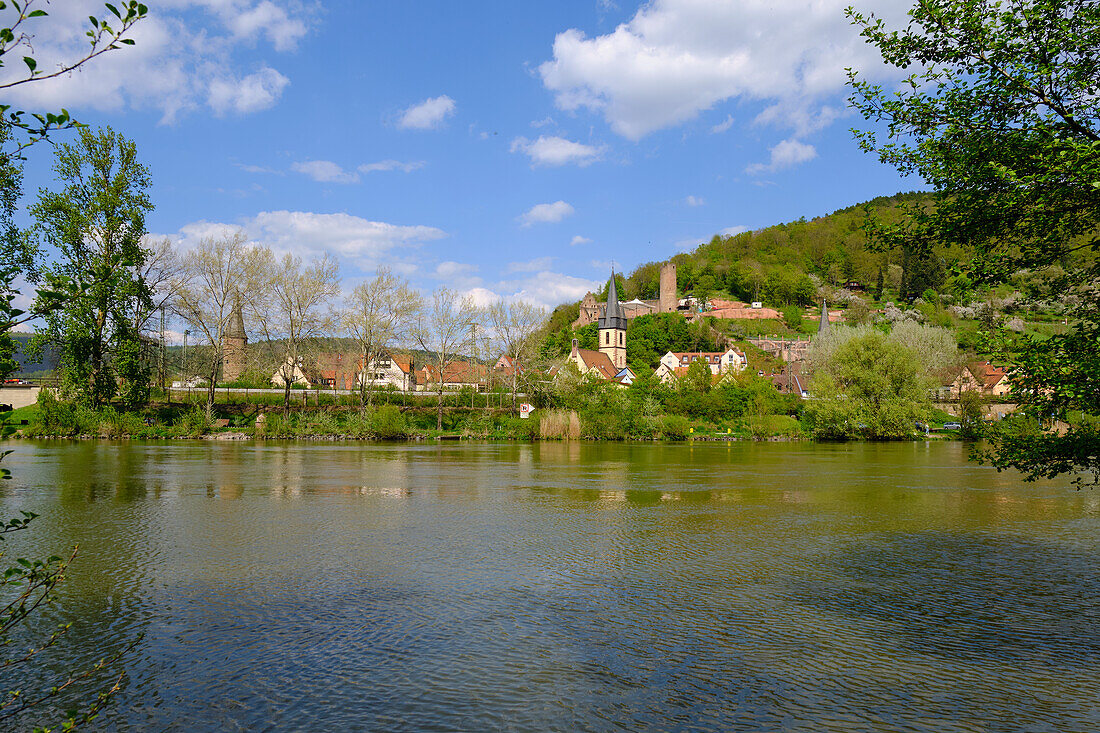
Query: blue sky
[{"x": 509, "y": 149}]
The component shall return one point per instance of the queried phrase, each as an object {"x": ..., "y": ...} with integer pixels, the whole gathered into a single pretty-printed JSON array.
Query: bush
[
  {"x": 388, "y": 423},
  {"x": 55, "y": 417},
  {"x": 196, "y": 423},
  {"x": 675, "y": 427},
  {"x": 115, "y": 424}
]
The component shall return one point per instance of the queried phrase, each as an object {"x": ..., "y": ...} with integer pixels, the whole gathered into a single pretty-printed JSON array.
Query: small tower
[
  {"x": 823, "y": 326},
  {"x": 234, "y": 343},
  {"x": 613, "y": 328},
  {"x": 667, "y": 301}
]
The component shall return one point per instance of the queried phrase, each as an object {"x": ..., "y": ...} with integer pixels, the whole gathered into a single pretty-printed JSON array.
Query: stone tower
[
  {"x": 668, "y": 301},
  {"x": 613, "y": 328},
  {"x": 234, "y": 343}
]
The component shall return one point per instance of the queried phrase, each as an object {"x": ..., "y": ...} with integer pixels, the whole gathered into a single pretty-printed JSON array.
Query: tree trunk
[
  {"x": 514, "y": 384},
  {"x": 439, "y": 409}
]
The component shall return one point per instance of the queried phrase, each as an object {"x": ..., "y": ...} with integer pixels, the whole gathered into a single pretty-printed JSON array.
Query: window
[
  {"x": 606, "y": 338},
  {"x": 620, "y": 338}
]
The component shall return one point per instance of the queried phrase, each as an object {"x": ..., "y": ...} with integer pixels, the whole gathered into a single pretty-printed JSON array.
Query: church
[{"x": 609, "y": 362}]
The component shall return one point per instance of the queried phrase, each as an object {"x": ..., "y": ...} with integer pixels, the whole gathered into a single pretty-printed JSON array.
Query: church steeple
[
  {"x": 824, "y": 324},
  {"x": 612, "y": 327}
]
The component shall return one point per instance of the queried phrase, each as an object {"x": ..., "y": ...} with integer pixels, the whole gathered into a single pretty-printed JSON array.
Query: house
[
  {"x": 598, "y": 364},
  {"x": 456, "y": 375},
  {"x": 391, "y": 370},
  {"x": 326, "y": 370},
  {"x": 981, "y": 377},
  {"x": 675, "y": 364}
]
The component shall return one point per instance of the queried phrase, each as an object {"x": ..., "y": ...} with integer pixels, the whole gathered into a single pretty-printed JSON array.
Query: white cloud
[
  {"x": 252, "y": 93},
  {"x": 694, "y": 201},
  {"x": 459, "y": 275},
  {"x": 539, "y": 263},
  {"x": 733, "y": 231},
  {"x": 428, "y": 114},
  {"x": 547, "y": 289},
  {"x": 258, "y": 169},
  {"x": 184, "y": 57},
  {"x": 722, "y": 126},
  {"x": 546, "y": 213},
  {"x": 556, "y": 151},
  {"x": 785, "y": 155},
  {"x": 310, "y": 234},
  {"x": 269, "y": 20},
  {"x": 392, "y": 165},
  {"x": 676, "y": 58},
  {"x": 324, "y": 171},
  {"x": 578, "y": 239}
]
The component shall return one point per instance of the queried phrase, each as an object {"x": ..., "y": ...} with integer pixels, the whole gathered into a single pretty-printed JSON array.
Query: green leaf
[{"x": 31, "y": 63}]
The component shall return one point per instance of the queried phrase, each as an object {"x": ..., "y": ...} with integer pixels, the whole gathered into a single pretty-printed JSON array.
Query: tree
[
  {"x": 514, "y": 328},
  {"x": 879, "y": 284},
  {"x": 376, "y": 313},
  {"x": 972, "y": 414},
  {"x": 698, "y": 377},
  {"x": 704, "y": 288},
  {"x": 1003, "y": 122},
  {"x": 442, "y": 328},
  {"x": 869, "y": 387},
  {"x": 211, "y": 279},
  {"x": 96, "y": 224},
  {"x": 293, "y": 303}
]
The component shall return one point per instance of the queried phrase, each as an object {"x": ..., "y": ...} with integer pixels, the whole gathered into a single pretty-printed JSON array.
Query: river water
[{"x": 739, "y": 587}]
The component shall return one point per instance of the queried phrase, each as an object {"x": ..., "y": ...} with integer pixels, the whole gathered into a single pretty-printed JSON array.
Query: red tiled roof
[{"x": 599, "y": 361}]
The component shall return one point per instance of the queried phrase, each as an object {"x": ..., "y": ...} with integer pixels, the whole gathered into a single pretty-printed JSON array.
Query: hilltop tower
[
  {"x": 613, "y": 327},
  {"x": 668, "y": 302},
  {"x": 234, "y": 343}
]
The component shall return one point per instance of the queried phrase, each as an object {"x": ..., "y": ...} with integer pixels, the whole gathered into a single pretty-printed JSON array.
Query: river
[{"x": 579, "y": 586}]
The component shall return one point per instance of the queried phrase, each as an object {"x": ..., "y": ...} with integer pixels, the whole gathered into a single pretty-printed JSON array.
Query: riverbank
[{"x": 389, "y": 422}]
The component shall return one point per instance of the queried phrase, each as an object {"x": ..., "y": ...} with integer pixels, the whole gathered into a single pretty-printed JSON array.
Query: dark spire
[
  {"x": 235, "y": 328},
  {"x": 613, "y": 316},
  {"x": 824, "y": 325}
]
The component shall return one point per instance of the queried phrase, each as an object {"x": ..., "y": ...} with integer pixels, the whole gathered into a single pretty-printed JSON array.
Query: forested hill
[{"x": 773, "y": 264}]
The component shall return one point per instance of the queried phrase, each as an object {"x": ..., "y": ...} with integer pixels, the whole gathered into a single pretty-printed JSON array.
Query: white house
[
  {"x": 395, "y": 370},
  {"x": 674, "y": 364}
]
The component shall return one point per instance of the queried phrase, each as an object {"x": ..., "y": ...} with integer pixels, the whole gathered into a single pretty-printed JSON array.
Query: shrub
[
  {"x": 55, "y": 417},
  {"x": 115, "y": 424},
  {"x": 388, "y": 423},
  {"x": 196, "y": 422},
  {"x": 675, "y": 427}
]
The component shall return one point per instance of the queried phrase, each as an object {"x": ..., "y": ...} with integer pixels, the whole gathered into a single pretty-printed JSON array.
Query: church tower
[
  {"x": 234, "y": 345},
  {"x": 613, "y": 328}
]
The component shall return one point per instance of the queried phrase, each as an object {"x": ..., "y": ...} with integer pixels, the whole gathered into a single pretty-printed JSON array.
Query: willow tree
[{"x": 1001, "y": 118}]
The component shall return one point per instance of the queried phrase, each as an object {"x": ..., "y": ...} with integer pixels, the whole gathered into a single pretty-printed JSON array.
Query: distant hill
[{"x": 33, "y": 364}]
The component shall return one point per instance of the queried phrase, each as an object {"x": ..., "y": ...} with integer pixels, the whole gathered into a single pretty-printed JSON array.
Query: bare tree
[
  {"x": 294, "y": 304},
  {"x": 376, "y": 314},
  {"x": 161, "y": 274},
  {"x": 514, "y": 327},
  {"x": 442, "y": 329},
  {"x": 207, "y": 288}
]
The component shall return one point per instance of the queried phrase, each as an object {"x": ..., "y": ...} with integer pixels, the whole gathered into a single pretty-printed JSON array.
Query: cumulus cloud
[
  {"x": 546, "y": 213},
  {"x": 185, "y": 56},
  {"x": 785, "y": 155},
  {"x": 578, "y": 239},
  {"x": 324, "y": 171},
  {"x": 428, "y": 114},
  {"x": 556, "y": 151},
  {"x": 544, "y": 288},
  {"x": 309, "y": 234},
  {"x": 392, "y": 165},
  {"x": 251, "y": 93},
  {"x": 676, "y": 58},
  {"x": 733, "y": 231},
  {"x": 459, "y": 275},
  {"x": 694, "y": 201}
]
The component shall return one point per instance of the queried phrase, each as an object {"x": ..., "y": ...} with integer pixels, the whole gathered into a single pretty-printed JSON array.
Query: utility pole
[{"x": 163, "y": 353}]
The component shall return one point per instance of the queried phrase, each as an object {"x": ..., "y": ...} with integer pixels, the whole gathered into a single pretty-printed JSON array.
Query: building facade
[
  {"x": 234, "y": 345},
  {"x": 612, "y": 328}
]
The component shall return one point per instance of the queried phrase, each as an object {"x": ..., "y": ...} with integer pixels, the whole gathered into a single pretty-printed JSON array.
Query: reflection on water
[{"x": 570, "y": 586}]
